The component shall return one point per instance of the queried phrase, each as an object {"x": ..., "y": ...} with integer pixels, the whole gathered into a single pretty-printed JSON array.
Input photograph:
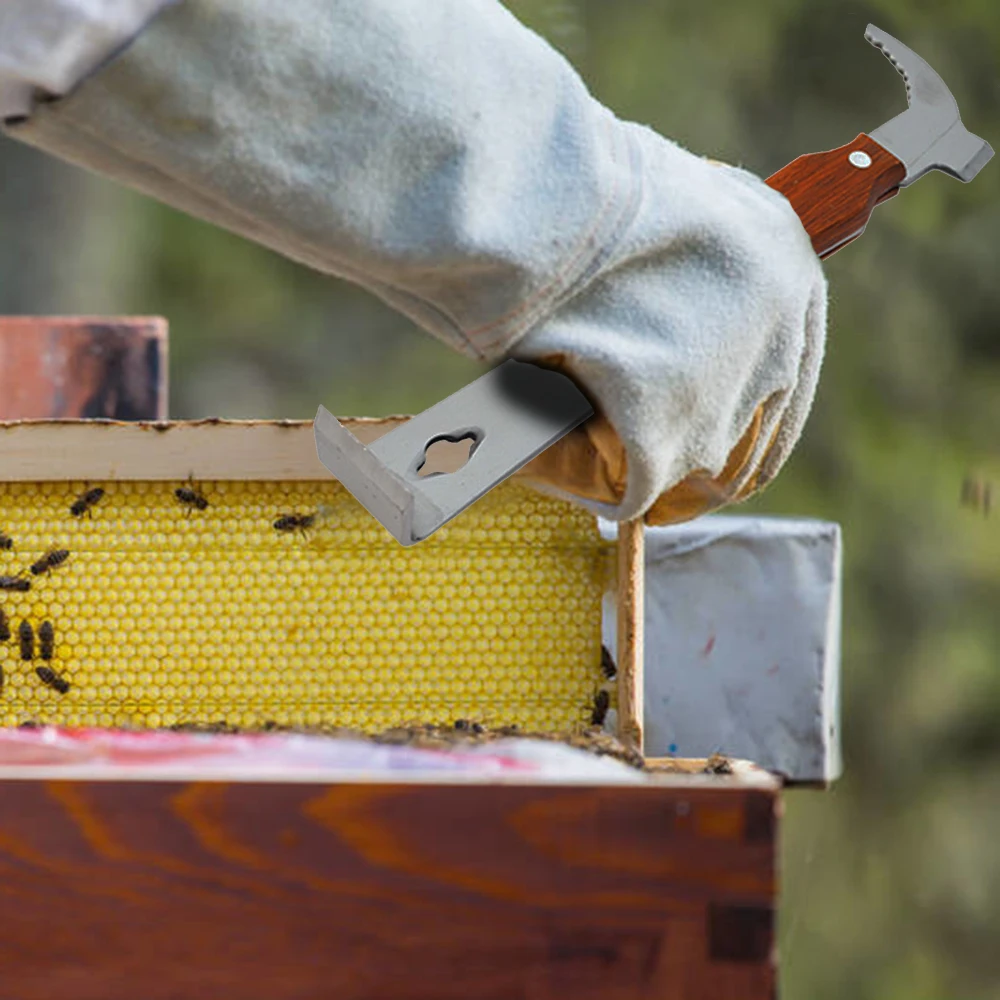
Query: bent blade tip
[{"x": 382, "y": 493}]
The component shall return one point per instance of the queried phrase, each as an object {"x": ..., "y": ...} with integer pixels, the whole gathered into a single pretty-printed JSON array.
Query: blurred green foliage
[{"x": 892, "y": 877}]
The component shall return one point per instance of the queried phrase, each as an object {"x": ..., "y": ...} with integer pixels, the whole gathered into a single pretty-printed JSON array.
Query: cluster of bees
[
  {"x": 189, "y": 496},
  {"x": 46, "y": 644},
  {"x": 52, "y": 559}
]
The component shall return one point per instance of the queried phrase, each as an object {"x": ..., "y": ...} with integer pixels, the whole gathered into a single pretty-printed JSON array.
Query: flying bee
[
  {"x": 4, "y": 626},
  {"x": 18, "y": 583},
  {"x": 602, "y": 701},
  {"x": 6, "y": 542},
  {"x": 46, "y": 640},
  {"x": 51, "y": 559},
  {"x": 977, "y": 494},
  {"x": 82, "y": 504},
  {"x": 51, "y": 679},
  {"x": 27, "y": 636},
  {"x": 608, "y": 667},
  {"x": 190, "y": 497}
]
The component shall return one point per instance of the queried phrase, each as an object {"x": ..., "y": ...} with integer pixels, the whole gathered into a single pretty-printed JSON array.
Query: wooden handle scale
[{"x": 835, "y": 192}]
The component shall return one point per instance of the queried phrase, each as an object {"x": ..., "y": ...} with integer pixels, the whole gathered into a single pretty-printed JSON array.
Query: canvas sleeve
[{"x": 48, "y": 46}]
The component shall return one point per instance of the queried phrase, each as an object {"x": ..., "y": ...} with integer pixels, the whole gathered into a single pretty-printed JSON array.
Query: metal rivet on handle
[{"x": 860, "y": 159}]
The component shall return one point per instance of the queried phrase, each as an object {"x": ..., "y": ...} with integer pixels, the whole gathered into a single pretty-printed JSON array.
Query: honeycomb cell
[{"x": 164, "y": 614}]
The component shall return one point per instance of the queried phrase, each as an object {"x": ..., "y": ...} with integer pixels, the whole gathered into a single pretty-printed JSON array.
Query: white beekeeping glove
[
  {"x": 700, "y": 339},
  {"x": 448, "y": 159}
]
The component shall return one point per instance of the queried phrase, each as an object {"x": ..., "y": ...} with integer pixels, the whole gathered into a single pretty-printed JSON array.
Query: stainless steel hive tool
[
  {"x": 511, "y": 414},
  {"x": 518, "y": 410}
]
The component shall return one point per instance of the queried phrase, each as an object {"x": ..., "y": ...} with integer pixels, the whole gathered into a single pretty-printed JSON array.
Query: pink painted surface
[{"x": 105, "y": 753}]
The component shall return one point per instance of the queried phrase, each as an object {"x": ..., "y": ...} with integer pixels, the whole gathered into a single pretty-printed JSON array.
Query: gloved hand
[
  {"x": 453, "y": 163},
  {"x": 590, "y": 463},
  {"x": 700, "y": 343}
]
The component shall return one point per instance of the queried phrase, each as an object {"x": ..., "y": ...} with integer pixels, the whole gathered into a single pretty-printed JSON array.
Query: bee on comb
[
  {"x": 51, "y": 679},
  {"x": 608, "y": 667},
  {"x": 50, "y": 561},
  {"x": 602, "y": 702},
  {"x": 46, "y": 640},
  {"x": 85, "y": 501},
  {"x": 191, "y": 497},
  {"x": 294, "y": 522},
  {"x": 26, "y": 636}
]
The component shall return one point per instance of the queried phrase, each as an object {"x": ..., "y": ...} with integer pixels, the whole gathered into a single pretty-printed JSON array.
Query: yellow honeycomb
[{"x": 166, "y": 614}]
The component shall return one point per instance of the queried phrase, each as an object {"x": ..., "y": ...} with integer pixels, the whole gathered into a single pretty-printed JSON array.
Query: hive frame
[{"x": 214, "y": 449}]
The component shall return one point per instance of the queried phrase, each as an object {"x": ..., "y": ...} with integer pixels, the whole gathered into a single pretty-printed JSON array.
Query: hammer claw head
[
  {"x": 924, "y": 88},
  {"x": 929, "y": 135}
]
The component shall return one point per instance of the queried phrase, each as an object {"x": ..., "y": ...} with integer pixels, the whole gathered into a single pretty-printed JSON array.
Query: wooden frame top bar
[{"x": 212, "y": 449}]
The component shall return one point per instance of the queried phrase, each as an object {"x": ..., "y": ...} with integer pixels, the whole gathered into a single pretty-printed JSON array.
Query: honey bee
[
  {"x": 46, "y": 640},
  {"x": 602, "y": 701},
  {"x": 52, "y": 559},
  {"x": 608, "y": 664},
  {"x": 295, "y": 522},
  {"x": 977, "y": 494},
  {"x": 51, "y": 679},
  {"x": 82, "y": 504},
  {"x": 27, "y": 636},
  {"x": 718, "y": 764},
  {"x": 6, "y": 542},
  {"x": 4, "y": 626},
  {"x": 191, "y": 497},
  {"x": 18, "y": 583}
]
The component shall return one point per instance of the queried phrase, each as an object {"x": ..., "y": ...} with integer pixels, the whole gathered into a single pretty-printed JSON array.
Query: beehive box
[{"x": 168, "y": 612}]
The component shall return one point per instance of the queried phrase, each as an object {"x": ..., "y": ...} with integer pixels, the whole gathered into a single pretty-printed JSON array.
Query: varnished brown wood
[
  {"x": 630, "y": 616},
  {"x": 833, "y": 198},
  {"x": 117, "y": 890}
]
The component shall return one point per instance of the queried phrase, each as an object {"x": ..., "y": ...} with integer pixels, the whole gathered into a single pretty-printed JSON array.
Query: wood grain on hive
[{"x": 158, "y": 889}]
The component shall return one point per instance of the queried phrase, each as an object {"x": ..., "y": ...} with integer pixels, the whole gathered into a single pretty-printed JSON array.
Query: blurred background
[{"x": 891, "y": 879}]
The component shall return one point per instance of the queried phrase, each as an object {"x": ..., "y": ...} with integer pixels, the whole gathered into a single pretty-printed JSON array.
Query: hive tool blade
[{"x": 511, "y": 414}]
